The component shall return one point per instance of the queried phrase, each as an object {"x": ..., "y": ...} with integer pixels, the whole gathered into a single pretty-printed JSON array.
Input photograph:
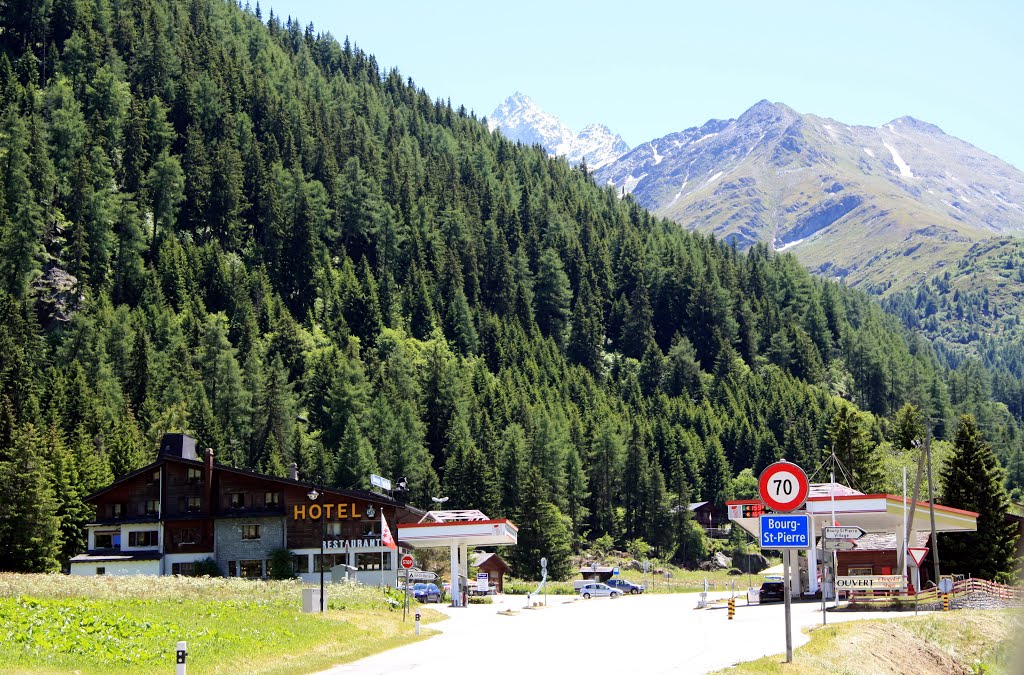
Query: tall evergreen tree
[{"x": 973, "y": 480}]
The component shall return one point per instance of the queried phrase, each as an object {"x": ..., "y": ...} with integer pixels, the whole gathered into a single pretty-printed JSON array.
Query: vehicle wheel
[
  {"x": 633, "y": 591},
  {"x": 586, "y": 596}
]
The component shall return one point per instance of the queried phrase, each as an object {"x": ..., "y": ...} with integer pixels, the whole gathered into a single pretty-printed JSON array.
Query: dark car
[
  {"x": 772, "y": 590},
  {"x": 426, "y": 592},
  {"x": 625, "y": 586}
]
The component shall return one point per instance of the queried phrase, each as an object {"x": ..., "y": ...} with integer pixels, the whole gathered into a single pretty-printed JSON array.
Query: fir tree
[{"x": 973, "y": 480}]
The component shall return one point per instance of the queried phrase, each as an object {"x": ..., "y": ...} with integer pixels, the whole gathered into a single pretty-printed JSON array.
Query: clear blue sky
[{"x": 647, "y": 69}]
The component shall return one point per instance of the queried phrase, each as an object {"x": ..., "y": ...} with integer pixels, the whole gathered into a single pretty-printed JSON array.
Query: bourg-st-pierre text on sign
[
  {"x": 785, "y": 531},
  {"x": 869, "y": 583}
]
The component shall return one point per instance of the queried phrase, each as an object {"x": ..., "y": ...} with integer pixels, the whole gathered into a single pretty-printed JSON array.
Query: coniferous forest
[{"x": 228, "y": 223}]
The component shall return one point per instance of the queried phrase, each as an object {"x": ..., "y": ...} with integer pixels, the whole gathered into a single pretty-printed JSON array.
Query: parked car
[
  {"x": 772, "y": 590},
  {"x": 426, "y": 592},
  {"x": 599, "y": 590},
  {"x": 626, "y": 586}
]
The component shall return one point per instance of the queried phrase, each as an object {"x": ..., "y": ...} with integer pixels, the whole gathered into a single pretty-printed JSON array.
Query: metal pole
[
  {"x": 787, "y": 596},
  {"x": 931, "y": 500},
  {"x": 321, "y": 560},
  {"x": 917, "y": 488}
]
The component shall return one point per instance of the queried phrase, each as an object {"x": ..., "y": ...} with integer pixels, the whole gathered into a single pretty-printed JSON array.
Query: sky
[{"x": 647, "y": 69}]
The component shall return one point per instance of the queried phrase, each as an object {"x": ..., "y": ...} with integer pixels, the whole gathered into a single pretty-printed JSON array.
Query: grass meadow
[{"x": 51, "y": 623}]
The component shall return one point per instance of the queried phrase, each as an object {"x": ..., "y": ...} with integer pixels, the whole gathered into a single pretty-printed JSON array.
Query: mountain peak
[
  {"x": 913, "y": 123},
  {"x": 521, "y": 119},
  {"x": 765, "y": 110}
]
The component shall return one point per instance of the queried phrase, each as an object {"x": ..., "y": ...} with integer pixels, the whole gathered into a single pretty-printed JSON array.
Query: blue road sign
[{"x": 785, "y": 531}]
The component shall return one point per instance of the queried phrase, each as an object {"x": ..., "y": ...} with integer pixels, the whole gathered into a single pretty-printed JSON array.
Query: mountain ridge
[{"x": 520, "y": 119}]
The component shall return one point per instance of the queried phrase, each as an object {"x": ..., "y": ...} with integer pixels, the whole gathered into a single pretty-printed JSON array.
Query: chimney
[
  {"x": 178, "y": 445},
  {"x": 208, "y": 480},
  {"x": 293, "y": 471}
]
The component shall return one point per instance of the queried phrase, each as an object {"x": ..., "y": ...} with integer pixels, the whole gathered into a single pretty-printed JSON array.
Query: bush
[
  {"x": 206, "y": 568},
  {"x": 281, "y": 564},
  {"x": 480, "y": 600}
]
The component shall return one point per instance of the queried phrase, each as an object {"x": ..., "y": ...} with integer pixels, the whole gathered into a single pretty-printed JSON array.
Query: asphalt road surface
[{"x": 646, "y": 633}]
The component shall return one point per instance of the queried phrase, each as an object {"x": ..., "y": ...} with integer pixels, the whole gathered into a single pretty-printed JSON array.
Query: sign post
[
  {"x": 784, "y": 487},
  {"x": 407, "y": 562}
]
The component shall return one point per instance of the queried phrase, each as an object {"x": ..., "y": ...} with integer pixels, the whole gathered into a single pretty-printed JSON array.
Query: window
[
  {"x": 232, "y": 568},
  {"x": 184, "y": 535},
  {"x": 193, "y": 504},
  {"x": 101, "y": 570},
  {"x": 371, "y": 529},
  {"x": 195, "y": 475},
  {"x": 152, "y": 507},
  {"x": 236, "y": 500},
  {"x": 106, "y": 539},
  {"x": 372, "y": 561},
  {"x": 143, "y": 538},
  {"x": 860, "y": 571},
  {"x": 250, "y": 569},
  {"x": 250, "y": 532},
  {"x": 183, "y": 569},
  {"x": 300, "y": 563},
  {"x": 153, "y": 478},
  {"x": 271, "y": 499},
  {"x": 328, "y": 560},
  {"x": 332, "y": 529},
  {"x": 117, "y": 510}
]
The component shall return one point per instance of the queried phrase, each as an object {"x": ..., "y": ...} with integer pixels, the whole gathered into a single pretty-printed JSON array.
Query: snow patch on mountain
[
  {"x": 520, "y": 119},
  {"x": 898, "y": 161}
]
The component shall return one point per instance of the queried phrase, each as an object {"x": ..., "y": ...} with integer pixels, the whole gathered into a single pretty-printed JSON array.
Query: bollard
[
  {"x": 417, "y": 623},
  {"x": 945, "y": 602},
  {"x": 732, "y": 608},
  {"x": 182, "y": 648}
]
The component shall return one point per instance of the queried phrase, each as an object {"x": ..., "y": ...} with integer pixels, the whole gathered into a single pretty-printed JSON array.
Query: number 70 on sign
[{"x": 783, "y": 486}]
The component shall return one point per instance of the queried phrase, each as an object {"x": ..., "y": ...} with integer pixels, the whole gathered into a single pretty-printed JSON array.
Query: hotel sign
[{"x": 316, "y": 511}]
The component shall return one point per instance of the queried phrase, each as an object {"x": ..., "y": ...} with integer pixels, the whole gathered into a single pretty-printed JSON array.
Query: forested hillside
[{"x": 231, "y": 224}]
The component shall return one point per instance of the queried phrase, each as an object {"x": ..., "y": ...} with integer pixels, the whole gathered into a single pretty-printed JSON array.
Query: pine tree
[
  {"x": 552, "y": 295},
  {"x": 973, "y": 480},
  {"x": 30, "y": 535},
  {"x": 543, "y": 533},
  {"x": 848, "y": 437},
  {"x": 576, "y": 496}
]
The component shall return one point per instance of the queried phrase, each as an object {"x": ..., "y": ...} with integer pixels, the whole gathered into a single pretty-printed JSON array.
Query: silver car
[{"x": 599, "y": 590}]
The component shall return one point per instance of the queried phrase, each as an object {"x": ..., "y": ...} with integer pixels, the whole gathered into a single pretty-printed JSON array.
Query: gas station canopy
[
  {"x": 439, "y": 529},
  {"x": 873, "y": 513},
  {"x": 458, "y": 531}
]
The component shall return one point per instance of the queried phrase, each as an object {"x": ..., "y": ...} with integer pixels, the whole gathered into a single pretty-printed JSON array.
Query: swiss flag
[{"x": 385, "y": 533}]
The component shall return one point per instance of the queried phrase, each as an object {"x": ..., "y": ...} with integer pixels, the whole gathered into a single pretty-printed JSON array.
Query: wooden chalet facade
[{"x": 180, "y": 510}]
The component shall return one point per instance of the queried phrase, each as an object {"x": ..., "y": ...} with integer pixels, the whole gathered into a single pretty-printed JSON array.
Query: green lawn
[{"x": 60, "y": 624}]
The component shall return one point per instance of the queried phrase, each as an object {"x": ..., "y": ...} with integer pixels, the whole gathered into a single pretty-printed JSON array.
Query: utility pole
[{"x": 931, "y": 499}]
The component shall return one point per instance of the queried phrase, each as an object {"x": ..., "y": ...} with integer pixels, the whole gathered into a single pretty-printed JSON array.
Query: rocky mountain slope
[
  {"x": 878, "y": 207},
  {"x": 521, "y": 119}
]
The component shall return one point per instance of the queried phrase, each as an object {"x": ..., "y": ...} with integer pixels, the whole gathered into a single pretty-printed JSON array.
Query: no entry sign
[{"x": 783, "y": 486}]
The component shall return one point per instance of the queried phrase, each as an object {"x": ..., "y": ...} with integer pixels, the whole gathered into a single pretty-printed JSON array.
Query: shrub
[
  {"x": 281, "y": 564},
  {"x": 206, "y": 568}
]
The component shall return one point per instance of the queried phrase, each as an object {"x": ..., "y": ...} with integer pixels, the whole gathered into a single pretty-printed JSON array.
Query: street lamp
[{"x": 313, "y": 494}]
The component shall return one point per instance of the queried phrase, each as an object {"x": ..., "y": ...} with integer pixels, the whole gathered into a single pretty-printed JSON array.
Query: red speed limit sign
[{"x": 783, "y": 486}]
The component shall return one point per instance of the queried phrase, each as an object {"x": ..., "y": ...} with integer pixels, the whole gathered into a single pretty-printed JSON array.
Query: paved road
[{"x": 648, "y": 633}]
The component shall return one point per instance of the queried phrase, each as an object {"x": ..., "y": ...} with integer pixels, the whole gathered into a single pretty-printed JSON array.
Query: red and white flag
[{"x": 385, "y": 533}]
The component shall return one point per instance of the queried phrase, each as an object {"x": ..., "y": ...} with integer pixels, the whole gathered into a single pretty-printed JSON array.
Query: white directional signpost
[
  {"x": 838, "y": 545},
  {"x": 842, "y": 532},
  {"x": 783, "y": 487}
]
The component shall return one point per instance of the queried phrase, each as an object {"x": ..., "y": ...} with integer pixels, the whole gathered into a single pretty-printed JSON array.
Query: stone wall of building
[{"x": 230, "y": 546}]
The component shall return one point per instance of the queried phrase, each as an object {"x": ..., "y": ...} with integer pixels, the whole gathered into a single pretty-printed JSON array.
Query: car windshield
[{"x": 419, "y": 587}]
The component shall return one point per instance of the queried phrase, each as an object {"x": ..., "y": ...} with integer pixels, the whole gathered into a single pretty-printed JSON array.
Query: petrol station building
[{"x": 882, "y": 516}]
